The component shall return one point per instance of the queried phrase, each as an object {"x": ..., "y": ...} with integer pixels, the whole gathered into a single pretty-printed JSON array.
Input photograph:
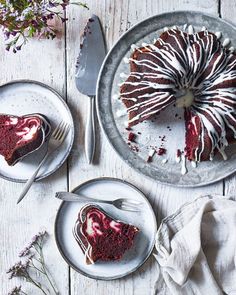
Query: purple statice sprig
[
  {"x": 24, "y": 19},
  {"x": 33, "y": 264},
  {"x": 36, "y": 241},
  {"x": 17, "y": 291}
]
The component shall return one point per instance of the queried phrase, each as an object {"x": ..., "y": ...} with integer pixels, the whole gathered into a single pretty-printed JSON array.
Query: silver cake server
[{"x": 91, "y": 56}]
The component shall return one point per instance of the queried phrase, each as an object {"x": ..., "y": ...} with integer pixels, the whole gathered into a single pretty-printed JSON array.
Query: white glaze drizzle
[
  {"x": 231, "y": 49},
  {"x": 183, "y": 166},
  {"x": 134, "y": 47},
  {"x": 194, "y": 164},
  {"x": 226, "y": 42},
  {"x": 151, "y": 153},
  {"x": 190, "y": 29},
  {"x": 190, "y": 61},
  {"x": 218, "y": 35},
  {"x": 185, "y": 27}
]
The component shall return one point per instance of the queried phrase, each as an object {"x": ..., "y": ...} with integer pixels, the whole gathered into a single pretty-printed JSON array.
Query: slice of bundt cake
[
  {"x": 20, "y": 136},
  {"x": 100, "y": 236}
]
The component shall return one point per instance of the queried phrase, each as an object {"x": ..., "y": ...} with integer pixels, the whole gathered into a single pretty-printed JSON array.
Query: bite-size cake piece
[
  {"x": 20, "y": 136},
  {"x": 100, "y": 236}
]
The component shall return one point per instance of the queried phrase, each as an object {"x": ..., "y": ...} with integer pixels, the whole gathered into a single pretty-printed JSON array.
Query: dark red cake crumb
[
  {"x": 131, "y": 136},
  {"x": 178, "y": 153},
  {"x": 161, "y": 151},
  {"x": 128, "y": 128},
  {"x": 149, "y": 159},
  {"x": 133, "y": 147}
]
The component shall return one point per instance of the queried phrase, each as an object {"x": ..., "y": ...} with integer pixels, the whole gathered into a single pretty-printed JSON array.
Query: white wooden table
[{"x": 52, "y": 62}]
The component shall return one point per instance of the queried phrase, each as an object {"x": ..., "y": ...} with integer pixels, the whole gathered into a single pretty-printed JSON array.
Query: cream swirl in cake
[{"x": 196, "y": 71}]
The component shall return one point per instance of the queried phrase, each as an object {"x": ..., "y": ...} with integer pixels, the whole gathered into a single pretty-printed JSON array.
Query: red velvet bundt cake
[
  {"x": 179, "y": 62},
  {"x": 20, "y": 136},
  {"x": 100, "y": 236}
]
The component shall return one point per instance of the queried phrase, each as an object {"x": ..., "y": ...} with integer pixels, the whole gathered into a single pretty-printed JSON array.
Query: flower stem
[
  {"x": 46, "y": 272},
  {"x": 36, "y": 284}
]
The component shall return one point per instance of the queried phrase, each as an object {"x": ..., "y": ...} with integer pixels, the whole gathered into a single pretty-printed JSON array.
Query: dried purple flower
[
  {"x": 23, "y": 19},
  {"x": 24, "y": 252},
  {"x": 37, "y": 238},
  {"x": 15, "y": 291},
  {"x": 18, "y": 269},
  {"x": 34, "y": 263}
]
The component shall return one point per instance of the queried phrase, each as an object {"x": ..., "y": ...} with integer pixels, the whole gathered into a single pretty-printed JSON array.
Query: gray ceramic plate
[
  {"x": 107, "y": 188},
  {"x": 110, "y": 108},
  {"x": 26, "y": 97}
]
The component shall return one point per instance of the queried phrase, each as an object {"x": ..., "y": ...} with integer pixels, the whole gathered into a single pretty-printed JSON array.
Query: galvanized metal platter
[
  {"x": 108, "y": 189},
  {"x": 24, "y": 97},
  {"x": 167, "y": 129}
]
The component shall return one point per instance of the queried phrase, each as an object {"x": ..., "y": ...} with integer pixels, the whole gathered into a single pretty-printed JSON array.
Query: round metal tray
[{"x": 152, "y": 131}]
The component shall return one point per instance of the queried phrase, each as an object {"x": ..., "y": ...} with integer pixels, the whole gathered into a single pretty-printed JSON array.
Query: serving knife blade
[{"x": 91, "y": 56}]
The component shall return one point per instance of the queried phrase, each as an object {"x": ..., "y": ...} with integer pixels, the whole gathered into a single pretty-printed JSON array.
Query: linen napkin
[{"x": 196, "y": 249}]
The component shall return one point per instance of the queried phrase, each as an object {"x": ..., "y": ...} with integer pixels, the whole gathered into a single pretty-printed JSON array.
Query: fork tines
[{"x": 61, "y": 131}]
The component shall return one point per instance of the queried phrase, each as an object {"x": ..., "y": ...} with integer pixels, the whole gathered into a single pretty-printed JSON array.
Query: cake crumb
[
  {"x": 161, "y": 151},
  {"x": 178, "y": 153},
  {"x": 134, "y": 148},
  {"x": 131, "y": 137}
]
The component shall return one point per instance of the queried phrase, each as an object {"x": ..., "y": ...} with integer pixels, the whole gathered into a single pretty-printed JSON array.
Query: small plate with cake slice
[
  {"x": 101, "y": 241},
  {"x": 29, "y": 112}
]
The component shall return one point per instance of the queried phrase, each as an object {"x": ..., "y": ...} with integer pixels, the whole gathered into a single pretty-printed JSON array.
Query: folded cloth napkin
[{"x": 196, "y": 249}]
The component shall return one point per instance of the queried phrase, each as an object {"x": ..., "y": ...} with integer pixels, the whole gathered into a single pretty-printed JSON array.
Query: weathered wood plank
[
  {"x": 117, "y": 16},
  {"x": 42, "y": 61}
]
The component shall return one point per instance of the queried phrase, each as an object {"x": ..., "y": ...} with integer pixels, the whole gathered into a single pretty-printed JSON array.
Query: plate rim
[
  {"x": 99, "y": 97},
  {"x": 29, "y": 81},
  {"x": 83, "y": 272}
]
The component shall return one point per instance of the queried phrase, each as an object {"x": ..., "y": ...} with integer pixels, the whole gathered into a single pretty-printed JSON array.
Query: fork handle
[
  {"x": 71, "y": 197},
  {"x": 90, "y": 132},
  {"x": 31, "y": 179}
]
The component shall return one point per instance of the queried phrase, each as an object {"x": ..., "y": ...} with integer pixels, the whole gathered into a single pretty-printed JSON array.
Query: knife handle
[{"x": 90, "y": 132}]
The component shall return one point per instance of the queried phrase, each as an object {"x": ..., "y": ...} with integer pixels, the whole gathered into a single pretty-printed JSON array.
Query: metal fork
[
  {"x": 56, "y": 139},
  {"x": 122, "y": 204}
]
